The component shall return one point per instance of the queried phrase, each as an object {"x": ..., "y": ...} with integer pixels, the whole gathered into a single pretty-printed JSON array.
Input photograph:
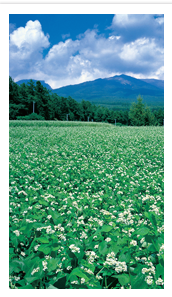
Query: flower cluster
[
  {"x": 74, "y": 248},
  {"x": 117, "y": 265}
]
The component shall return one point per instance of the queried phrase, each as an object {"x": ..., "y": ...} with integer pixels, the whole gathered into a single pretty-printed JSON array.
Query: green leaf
[
  {"x": 152, "y": 248},
  {"x": 43, "y": 239},
  {"x": 16, "y": 266},
  {"x": 124, "y": 279},
  {"x": 45, "y": 249},
  {"x": 142, "y": 231},
  {"x": 26, "y": 287},
  {"x": 31, "y": 279},
  {"x": 55, "y": 216},
  {"x": 106, "y": 228},
  {"x": 122, "y": 241},
  {"x": 52, "y": 263},
  {"x": 149, "y": 238},
  {"x": 14, "y": 241},
  {"x": 114, "y": 248},
  {"x": 124, "y": 257},
  {"x": 103, "y": 248},
  {"x": 138, "y": 281},
  {"x": 159, "y": 270},
  {"x": 77, "y": 271}
]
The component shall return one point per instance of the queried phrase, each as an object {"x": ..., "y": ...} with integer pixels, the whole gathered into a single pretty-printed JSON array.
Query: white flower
[
  {"x": 74, "y": 282},
  {"x": 82, "y": 280},
  {"x": 119, "y": 192},
  {"x": 69, "y": 268},
  {"x": 58, "y": 270},
  {"x": 24, "y": 193},
  {"x": 17, "y": 233},
  {"x": 44, "y": 263},
  {"x": 88, "y": 271},
  {"x": 133, "y": 242},
  {"x": 74, "y": 248},
  {"x": 99, "y": 277},
  {"x": 17, "y": 278},
  {"x": 144, "y": 270},
  {"x": 149, "y": 279},
  {"x": 35, "y": 270},
  {"x": 36, "y": 247},
  {"x": 159, "y": 282},
  {"x": 108, "y": 239}
]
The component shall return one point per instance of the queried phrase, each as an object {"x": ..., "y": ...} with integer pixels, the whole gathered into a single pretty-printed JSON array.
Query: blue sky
[{"x": 65, "y": 49}]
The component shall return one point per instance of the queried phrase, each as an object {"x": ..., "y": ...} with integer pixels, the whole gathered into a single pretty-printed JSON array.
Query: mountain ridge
[
  {"x": 113, "y": 89},
  {"x": 119, "y": 88}
]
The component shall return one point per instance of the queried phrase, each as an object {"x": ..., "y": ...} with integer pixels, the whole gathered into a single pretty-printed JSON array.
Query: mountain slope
[
  {"x": 113, "y": 89},
  {"x": 155, "y": 82}
]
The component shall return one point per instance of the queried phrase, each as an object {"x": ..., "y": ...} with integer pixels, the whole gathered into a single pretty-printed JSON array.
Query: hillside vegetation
[{"x": 35, "y": 102}]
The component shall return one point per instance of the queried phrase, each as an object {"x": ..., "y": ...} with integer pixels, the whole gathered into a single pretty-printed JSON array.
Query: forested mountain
[
  {"x": 155, "y": 82},
  {"x": 111, "y": 90},
  {"x": 34, "y": 101}
]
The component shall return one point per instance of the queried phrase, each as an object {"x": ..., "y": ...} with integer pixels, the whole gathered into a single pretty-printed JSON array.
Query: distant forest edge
[
  {"x": 33, "y": 101},
  {"x": 117, "y": 92}
]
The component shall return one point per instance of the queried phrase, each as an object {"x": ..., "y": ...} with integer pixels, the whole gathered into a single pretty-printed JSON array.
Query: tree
[
  {"x": 149, "y": 117},
  {"x": 15, "y": 104},
  {"x": 159, "y": 116},
  {"x": 141, "y": 115},
  {"x": 137, "y": 113},
  {"x": 41, "y": 99}
]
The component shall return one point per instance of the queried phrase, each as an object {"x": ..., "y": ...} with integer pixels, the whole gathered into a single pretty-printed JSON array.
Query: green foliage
[
  {"x": 140, "y": 115},
  {"x": 50, "y": 106},
  {"x": 31, "y": 117},
  {"x": 85, "y": 206}
]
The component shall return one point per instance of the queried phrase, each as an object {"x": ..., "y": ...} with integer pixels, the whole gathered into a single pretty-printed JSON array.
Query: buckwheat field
[{"x": 86, "y": 206}]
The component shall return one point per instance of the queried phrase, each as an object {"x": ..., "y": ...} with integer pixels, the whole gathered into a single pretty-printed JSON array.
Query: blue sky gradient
[{"x": 73, "y": 48}]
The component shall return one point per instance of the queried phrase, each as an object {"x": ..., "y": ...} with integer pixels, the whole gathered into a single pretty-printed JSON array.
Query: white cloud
[
  {"x": 160, "y": 20},
  {"x": 65, "y": 35},
  {"x": 25, "y": 47},
  {"x": 134, "y": 51},
  {"x": 123, "y": 20},
  {"x": 89, "y": 57},
  {"x": 30, "y": 37}
]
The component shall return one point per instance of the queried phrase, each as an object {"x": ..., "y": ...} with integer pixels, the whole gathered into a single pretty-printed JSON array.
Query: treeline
[{"x": 50, "y": 106}]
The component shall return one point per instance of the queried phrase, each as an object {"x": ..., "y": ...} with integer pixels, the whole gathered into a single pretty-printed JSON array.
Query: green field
[{"x": 86, "y": 206}]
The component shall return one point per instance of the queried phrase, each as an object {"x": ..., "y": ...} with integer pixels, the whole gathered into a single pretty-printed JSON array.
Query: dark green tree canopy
[
  {"x": 140, "y": 115},
  {"x": 50, "y": 106}
]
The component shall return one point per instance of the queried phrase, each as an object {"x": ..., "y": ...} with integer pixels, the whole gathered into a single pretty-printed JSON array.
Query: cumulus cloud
[
  {"x": 25, "y": 47},
  {"x": 30, "y": 37},
  {"x": 91, "y": 55},
  {"x": 134, "y": 26}
]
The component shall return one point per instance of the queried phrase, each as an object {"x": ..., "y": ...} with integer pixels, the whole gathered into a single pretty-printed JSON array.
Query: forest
[{"x": 36, "y": 102}]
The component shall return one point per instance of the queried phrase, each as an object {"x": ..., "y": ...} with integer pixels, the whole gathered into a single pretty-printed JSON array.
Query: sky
[{"x": 67, "y": 49}]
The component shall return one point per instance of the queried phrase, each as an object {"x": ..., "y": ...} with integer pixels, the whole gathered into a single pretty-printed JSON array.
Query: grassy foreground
[{"x": 86, "y": 206}]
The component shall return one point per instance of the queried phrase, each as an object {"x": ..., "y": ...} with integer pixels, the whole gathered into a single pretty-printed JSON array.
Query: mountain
[
  {"x": 27, "y": 80},
  {"x": 118, "y": 89},
  {"x": 155, "y": 82}
]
